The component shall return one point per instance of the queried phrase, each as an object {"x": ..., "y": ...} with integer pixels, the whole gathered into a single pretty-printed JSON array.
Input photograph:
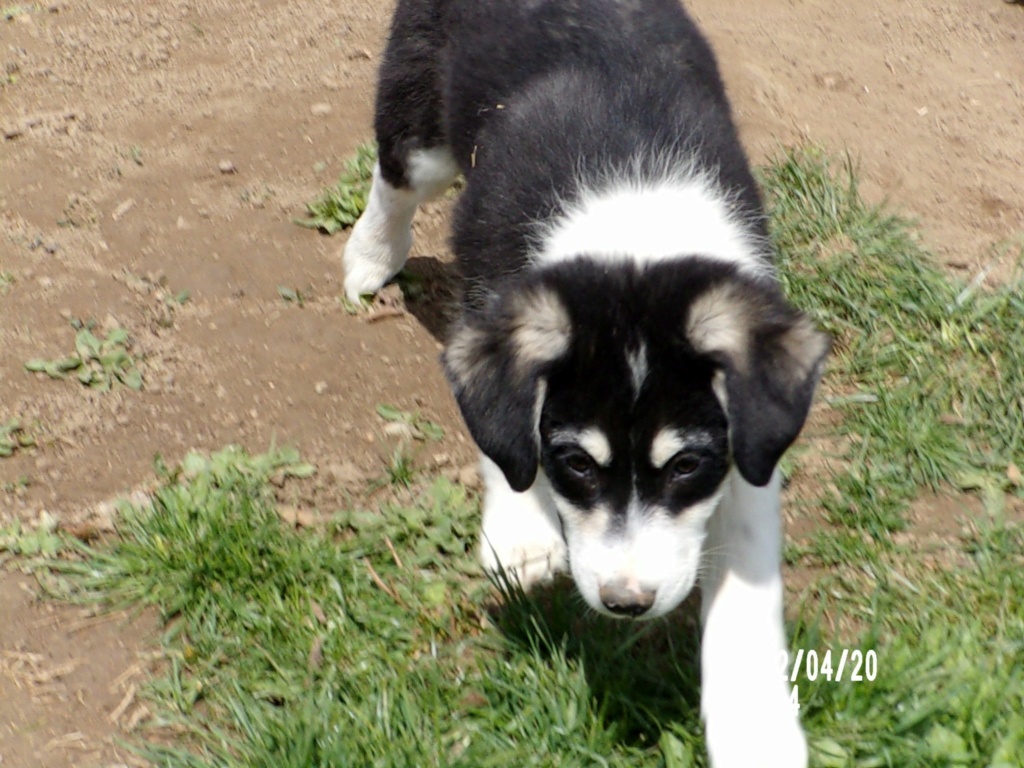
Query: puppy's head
[{"x": 635, "y": 392}]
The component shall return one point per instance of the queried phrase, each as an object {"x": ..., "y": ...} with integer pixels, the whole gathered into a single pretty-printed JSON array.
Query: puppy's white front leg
[
  {"x": 745, "y": 699},
  {"x": 380, "y": 241},
  {"x": 521, "y": 532}
]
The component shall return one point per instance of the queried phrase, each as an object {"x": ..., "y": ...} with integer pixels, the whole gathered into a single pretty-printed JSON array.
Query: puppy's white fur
[
  {"x": 521, "y": 533},
  {"x": 650, "y": 550},
  {"x": 646, "y": 220},
  {"x": 743, "y": 688},
  {"x": 379, "y": 244}
]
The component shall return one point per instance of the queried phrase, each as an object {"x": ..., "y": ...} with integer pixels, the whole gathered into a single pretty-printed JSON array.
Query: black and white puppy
[{"x": 624, "y": 359}]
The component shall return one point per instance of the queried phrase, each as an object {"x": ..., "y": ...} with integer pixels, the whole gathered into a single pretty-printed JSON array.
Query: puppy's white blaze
[
  {"x": 638, "y": 369},
  {"x": 650, "y": 221},
  {"x": 590, "y": 439},
  {"x": 668, "y": 442}
]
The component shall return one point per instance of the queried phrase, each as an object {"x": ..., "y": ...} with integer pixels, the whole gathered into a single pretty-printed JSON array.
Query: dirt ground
[{"x": 153, "y": 148}]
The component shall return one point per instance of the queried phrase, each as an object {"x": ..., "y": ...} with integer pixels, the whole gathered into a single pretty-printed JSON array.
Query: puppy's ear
[
  {"x": 771, "y": 356},
  {"x": 495, "y": 361}
]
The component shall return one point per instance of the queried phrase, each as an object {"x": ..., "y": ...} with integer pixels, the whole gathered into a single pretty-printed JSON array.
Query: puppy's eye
[
  {"x": 579, "y": 464},
  {"x": 683, "y": 466}
]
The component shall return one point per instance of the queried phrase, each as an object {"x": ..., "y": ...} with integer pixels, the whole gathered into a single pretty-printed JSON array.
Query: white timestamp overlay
[{"x": 850, "y": 664}]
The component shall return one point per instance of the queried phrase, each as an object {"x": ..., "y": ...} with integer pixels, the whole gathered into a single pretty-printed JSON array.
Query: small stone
[
  {"x": 346, "y": 474},
  {"x": 469, "y": 476},
  {"x": 122, "y": 209},
  {"x": 320, "y": 387},
  {"x": 226, "y": 166},
  {"x": 320, "y": 109}
]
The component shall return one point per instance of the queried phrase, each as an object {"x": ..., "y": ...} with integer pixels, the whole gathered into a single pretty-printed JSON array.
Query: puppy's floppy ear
[
  {"x": 772, "y": 358},
  {"x": 495, "y": 361}
]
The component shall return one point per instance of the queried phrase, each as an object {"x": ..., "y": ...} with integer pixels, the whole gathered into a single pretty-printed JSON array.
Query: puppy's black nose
[{"x": 627, "y": 600}]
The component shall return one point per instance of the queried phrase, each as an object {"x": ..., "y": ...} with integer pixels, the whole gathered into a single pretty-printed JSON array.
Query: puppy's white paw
[
  {"x": 761, "y": 739},
  {"x": 373, "y": 256},
  {"x": 530, "y": 561}
]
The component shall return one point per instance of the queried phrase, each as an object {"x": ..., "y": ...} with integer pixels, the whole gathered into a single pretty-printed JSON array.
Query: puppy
[{"x": 625, "y": 358}]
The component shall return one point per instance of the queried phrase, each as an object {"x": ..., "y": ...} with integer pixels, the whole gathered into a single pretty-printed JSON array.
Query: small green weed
[
  {"x": 43, "y": 540},
  {"x": 8, "y": 12},
  {"x": 99, "y": 363},
  {"x": 339, "y": 206},
  {"x": 7, "y": 279},
  {"x": 400, "y": 470},
  {"x": 417, "y": 427},
  {"x": 291, "y": 295},
  {"x": 17, "y": 485},
  {"x": 13, "y": 437}
]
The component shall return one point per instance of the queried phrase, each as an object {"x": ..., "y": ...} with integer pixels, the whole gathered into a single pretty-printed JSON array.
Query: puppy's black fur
[
  {"x": 530, "y": 95},
  {"x": 537, "y": 100}
]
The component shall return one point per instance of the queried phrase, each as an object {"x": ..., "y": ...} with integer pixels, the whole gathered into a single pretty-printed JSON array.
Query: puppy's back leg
[{"x": 414, "y": 163}]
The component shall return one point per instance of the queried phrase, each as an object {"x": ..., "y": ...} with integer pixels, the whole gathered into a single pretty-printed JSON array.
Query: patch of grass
[
  {"x": 375, "y": 642},
  {"x": 7, "y": 279},
  {"x": 950, "y": 672},
  {"x": 40, "y": 541},
  {"x": 369, "y": 643},
  {"x": 400, "y": 470},
  {"x": 927, "y": 372},
  {"x": 98, "y": 362},
  {"x": 13, "y": 437},
  {"x": 338, "y": 206}
]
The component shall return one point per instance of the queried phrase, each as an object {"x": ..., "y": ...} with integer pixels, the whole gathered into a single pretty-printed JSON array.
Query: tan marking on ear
[
  {"x": 719, "y": 322},
  {"x": 542, "y": 328},
  {"x": 805, "y": 345},
  {"x": 464, "y": 353}
]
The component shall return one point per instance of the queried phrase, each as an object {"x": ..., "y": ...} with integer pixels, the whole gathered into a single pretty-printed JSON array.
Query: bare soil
[{"x": 150, "y": 149}]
